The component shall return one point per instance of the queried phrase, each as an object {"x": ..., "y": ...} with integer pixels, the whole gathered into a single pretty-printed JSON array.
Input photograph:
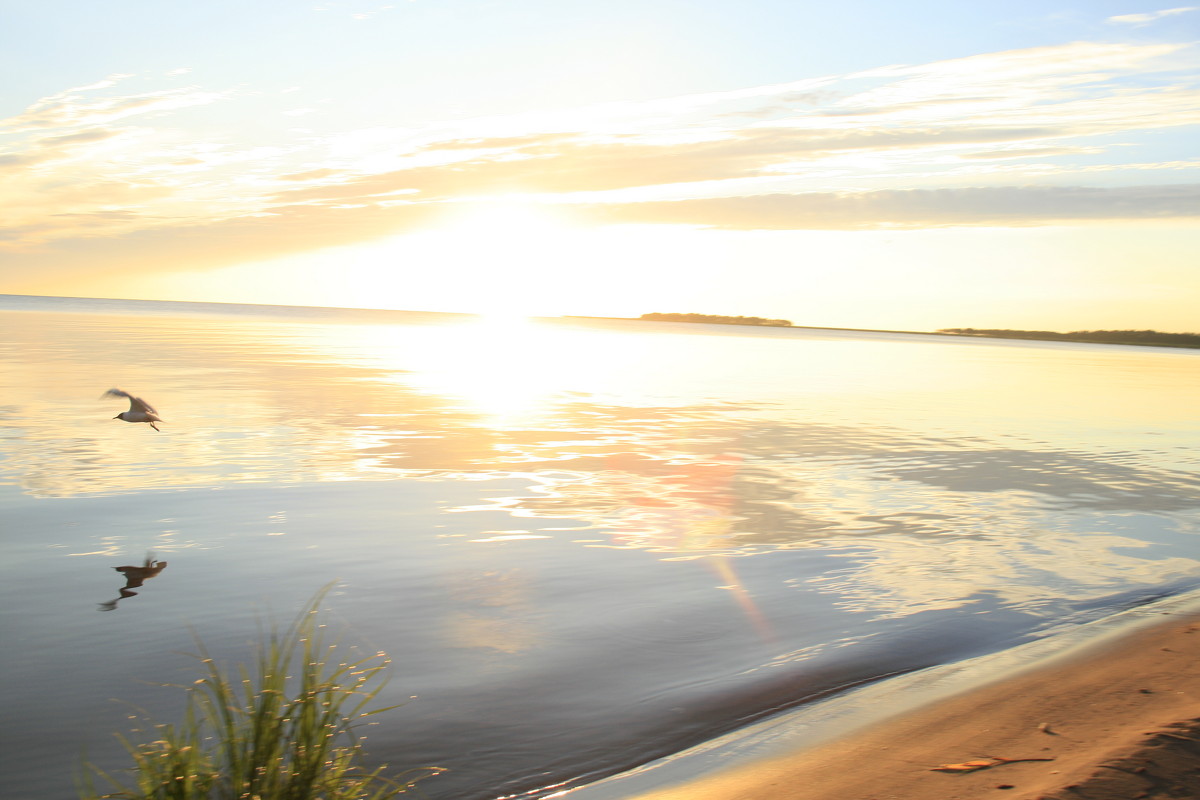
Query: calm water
[{"x": 584, "y": 544}]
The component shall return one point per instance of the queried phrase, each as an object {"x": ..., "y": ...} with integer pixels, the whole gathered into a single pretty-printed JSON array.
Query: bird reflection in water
[{"x": 135, "y": 577}]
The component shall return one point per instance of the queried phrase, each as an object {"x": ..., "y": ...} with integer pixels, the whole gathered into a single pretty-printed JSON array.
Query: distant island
[
  {"x": 716, "y": 318},
  {"x": 1155, "y": 338},
  {"x": 1146, "y": 337}
]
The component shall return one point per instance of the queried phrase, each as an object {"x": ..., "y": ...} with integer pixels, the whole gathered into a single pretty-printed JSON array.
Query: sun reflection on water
[
  {"x": 510, "y": 369},
  {"x": 491, "y": 366}
]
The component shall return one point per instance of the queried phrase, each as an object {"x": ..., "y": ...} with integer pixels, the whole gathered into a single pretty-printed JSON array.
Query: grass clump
[{"x": 282, "y": 729}]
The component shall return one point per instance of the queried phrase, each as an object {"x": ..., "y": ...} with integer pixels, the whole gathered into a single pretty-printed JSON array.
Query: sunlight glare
[
  {"x": 511, "y": 253},
  {"x": 506, "y": 367}
]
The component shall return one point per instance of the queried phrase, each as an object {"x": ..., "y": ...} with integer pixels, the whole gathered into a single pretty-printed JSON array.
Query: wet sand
[{"x": 1116, "y": 721}]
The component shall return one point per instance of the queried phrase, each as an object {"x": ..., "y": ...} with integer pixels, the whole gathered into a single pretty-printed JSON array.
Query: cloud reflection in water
[{"x": 689, "y": 446}]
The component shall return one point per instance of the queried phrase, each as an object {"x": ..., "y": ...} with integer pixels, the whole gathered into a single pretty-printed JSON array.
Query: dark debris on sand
[{"x": 1165, "y": 767}]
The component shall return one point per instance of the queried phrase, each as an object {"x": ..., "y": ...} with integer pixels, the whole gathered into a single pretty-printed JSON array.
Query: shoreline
[
  {"x": 341, "y": 311},
  {"x": 1114, "y": 707},
  {"x": 1061, "y": 338}
]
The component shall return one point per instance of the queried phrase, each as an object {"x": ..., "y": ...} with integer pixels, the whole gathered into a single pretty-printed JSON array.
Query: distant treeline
[
  {"x": 1100, "y": 337},
  {"x": 717, "y": 318}
]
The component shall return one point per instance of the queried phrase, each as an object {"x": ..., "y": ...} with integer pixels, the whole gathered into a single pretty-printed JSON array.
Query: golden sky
[{"x": 903, "y": 166}]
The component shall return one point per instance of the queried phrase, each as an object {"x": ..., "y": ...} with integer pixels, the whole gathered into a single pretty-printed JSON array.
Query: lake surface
[{"x": 584, "y": 544}]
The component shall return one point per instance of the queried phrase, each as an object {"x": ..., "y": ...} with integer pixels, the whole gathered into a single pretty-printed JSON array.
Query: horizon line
[{"x": 938, "y": 332}]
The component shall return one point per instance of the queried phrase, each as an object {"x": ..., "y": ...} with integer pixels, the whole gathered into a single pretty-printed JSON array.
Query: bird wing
[
  {"x": 138, "y": 404},
  {"x": 135, "y": 403}
]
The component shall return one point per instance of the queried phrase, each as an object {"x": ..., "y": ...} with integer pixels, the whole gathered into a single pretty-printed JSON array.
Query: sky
[{"x": 1031, "y": 164}]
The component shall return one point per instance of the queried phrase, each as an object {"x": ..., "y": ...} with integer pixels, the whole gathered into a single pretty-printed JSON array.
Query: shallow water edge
[{"x": 858, "y": 709}]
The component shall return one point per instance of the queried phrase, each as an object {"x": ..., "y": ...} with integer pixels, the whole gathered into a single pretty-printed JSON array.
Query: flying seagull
[{"x": 139, "y": 409}]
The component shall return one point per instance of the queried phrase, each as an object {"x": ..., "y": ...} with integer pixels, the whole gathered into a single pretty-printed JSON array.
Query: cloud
[
  {"x": 83, "y": 137},
  {"x": 310, "y": 175},
  {"x": 1029, "y": 152},
  {"x": 68, "y": 109},
  {"x": 75, "y": 166},
  {"x": 1029, "y": 104},
  {"x": 1139, "y": 20},
  {"x": 189, "y": 245},
  {"x": 63, "y": 146},
  {"x": 918, "y": 208},
  {"x": 560, "y": 165},
  {"x": 89, "y": 171},
  {"x": 291, "y": 229}
]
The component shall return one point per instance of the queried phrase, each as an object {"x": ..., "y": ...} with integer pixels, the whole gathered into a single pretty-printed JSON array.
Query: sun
[
  {"x": 513, "y": 254},
  {"x": 507, "y": 257}
]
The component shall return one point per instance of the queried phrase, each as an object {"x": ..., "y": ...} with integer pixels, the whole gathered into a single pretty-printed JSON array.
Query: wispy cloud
[
  {"x": 1139, "y": 20},
  {"x": 919, "y": 208},
  {"x": 893, "y": 121},
  {"x": 583, "y": 165},
  {"x": 73, "y": 108},
  {"x": 960, "y": 142}
]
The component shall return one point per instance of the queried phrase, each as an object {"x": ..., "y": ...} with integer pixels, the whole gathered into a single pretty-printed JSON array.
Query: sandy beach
[{"x": 1113, "y": 722}]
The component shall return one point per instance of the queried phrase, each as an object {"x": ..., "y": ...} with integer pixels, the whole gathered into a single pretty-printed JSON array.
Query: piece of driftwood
[{"x": 982, "y": 763}]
